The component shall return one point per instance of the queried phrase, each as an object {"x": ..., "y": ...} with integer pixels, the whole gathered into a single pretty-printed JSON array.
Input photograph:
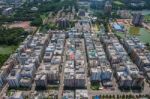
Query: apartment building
[
  {"x": 127, "y": 73},
  {"x": 26, "y": 82},
  {"x": 139, "y": 55},
  {"x": 100, "y": 69},
  {"x": 80, "y": 80},
  {"x": 14, "y": 78},
  {"x": 69, "y": 77},
  {"x": 41, "y": 80}
]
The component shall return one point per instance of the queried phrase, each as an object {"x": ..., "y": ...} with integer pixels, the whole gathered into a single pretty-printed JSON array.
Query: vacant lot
[
  {"x": 142, "y": 33},
  {"x": 24, "y": 25}
]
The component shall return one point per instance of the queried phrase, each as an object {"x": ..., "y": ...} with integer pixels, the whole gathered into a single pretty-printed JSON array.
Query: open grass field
[
  {"x": 120, "y": 34},
  {"x": 142, "y": 33},
  {"x": 147, "y": 18},
  {"x": 7, "y": 49},
  {"x": 5, "y": 52}
]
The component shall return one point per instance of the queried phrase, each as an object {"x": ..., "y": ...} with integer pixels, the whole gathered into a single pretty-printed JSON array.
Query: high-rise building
[
  {"x": 108, "y": 7},
  {"x": 137, "y": 19}
]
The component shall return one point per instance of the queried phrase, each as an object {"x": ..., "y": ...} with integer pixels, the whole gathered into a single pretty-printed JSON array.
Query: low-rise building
[
  {"x": 26, "y": 82},
  {"x": 69, "y": 77},
  {"x": 80, "y": 81},
  {"x": 68, "y": 94},
  {"x": 81, "y": 94},
  {"x": 14, "y": 95},
  {"x": 47, "y": 57},
  {"x": 41, "y": 80}
]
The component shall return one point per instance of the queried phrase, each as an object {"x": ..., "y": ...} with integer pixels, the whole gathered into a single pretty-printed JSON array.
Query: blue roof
[
  {"x": 117, "y": 26},
  {"x": 97, "y": 97},
  {"x": 65, "y": 97}
]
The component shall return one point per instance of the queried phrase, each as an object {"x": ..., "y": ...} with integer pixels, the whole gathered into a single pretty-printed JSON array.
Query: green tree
[{"x": 37, "y": 22}]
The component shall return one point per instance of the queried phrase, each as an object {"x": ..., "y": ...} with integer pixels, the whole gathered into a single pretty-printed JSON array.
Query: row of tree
[
  {"x": 127, "y": 4},
  {"x": 130, "y": 96}
]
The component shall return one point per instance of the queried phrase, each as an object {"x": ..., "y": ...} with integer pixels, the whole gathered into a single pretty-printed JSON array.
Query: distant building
[
  {"x": 63, "y": 23},
  {"x": 132, "y": 1},
  {"x": 108, "y": 7},
  {"x": 81, "y": 13},
  {"x": 137, "y": 19},
  {"x": 16, "y": 3},
  {"x": 34, "y": 9},
  {"x": 97, "y": 4},
  {"x": 7, "y": 11},
  {"x": 38, "y": 1},
  {"x": 135, "y": 3},
  {"x": 124, "y": 14},
  {"x": 84, "y": 0}
]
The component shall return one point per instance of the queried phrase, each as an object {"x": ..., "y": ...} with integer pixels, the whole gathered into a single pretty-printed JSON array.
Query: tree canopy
[{"x": 11, "y": 36}]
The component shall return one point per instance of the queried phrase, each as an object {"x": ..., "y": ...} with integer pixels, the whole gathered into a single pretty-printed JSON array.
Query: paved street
[{"x": 61, "y": 85}]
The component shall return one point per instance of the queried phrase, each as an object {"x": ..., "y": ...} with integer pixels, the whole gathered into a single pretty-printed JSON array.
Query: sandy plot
[
  {"x": 25, "y": 24},
  {"x": 22, "y": 24}
]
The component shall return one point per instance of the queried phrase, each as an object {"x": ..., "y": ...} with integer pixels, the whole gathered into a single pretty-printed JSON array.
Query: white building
[
  {"x": 26, "y": 82},
  {"x": 41, "y": 80},
  {"x": 68, "y": 94},
  {"x": 80, "y": 81},
  {"x": 15, "y": 95},
  {"x": 81, "y": 94}
]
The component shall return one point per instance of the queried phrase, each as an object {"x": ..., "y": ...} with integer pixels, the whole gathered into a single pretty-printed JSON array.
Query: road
[
  {"x": 61, "y": 85},
  {"x": 85, "y": 61},
  {"x": 4, "y": 89},
  {"x": 146, "y": 26}
]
